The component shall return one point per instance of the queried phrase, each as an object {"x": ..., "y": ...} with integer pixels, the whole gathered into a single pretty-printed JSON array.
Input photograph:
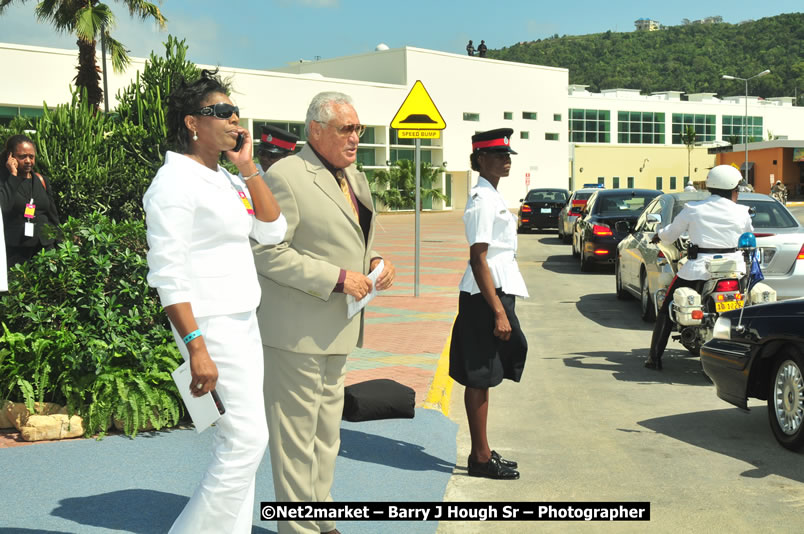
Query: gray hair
[{"x": 320, "y": 109}]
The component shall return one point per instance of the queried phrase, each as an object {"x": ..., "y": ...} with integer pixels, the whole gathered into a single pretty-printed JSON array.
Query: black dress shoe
[
  {"x": 492, "y": 469},
  {"x": 650, "y": 363},
  {"x": 505, "y": 463}
]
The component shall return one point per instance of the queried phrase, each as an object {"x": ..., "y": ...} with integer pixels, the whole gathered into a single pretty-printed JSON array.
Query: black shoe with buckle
[
  {"x": 492, "y": 469},
  {"x": 505, "y": 463}
]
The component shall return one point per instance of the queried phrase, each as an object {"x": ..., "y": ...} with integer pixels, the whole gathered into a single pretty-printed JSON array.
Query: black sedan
[
  {"x": 762, "y": 356},
  {"x": 594, "y": 237},
  {"x": 540, "y": 207}
]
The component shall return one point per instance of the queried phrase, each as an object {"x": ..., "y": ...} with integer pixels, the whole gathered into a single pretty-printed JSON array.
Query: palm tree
[
  {"x": 396, "y": 187},
  {"x": 88, "y": 20},
  {"x": 688, "y": 138}
]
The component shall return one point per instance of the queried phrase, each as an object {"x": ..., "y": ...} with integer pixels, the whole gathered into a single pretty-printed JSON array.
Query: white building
[{"x": 550, "y": 118}]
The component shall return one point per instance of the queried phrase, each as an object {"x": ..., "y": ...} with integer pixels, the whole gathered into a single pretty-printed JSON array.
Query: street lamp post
[{"x": 745, "y": 117}]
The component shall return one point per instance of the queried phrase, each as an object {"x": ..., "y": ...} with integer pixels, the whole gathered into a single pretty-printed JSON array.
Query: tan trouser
[{"x": 304, "y": 405}]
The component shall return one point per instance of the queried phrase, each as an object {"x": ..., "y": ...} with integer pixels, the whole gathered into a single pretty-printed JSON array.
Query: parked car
[
  {"x": 761, "y": 355},
  {"x": 594, "y": 237},
  {"x": 539, "y": 209},
  {"x": 569, "y": 213},
  {"x": 642, "y": 269}
]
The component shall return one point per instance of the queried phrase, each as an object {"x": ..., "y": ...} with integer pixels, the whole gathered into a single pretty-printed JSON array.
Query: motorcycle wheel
[
  {"x": 646, "y": 303},
  {"x": 575, "y": 253},
  {"x": 786, "y": 400}
]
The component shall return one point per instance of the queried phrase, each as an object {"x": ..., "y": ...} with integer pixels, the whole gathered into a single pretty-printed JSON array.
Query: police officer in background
[
  {"x": 714, "y": 226},
  {"x": 275, "y": 144},
  {"x": 482, "y": 48}
]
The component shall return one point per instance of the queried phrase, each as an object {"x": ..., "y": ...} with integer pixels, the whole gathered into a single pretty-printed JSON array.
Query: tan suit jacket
[{"x": 299, "y": 310}]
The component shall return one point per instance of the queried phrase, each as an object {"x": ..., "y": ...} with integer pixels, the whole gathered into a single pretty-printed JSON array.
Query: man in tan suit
[{"x": 305, "y": 280}]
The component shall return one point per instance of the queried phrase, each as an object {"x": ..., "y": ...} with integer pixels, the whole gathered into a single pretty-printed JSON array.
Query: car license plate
[
  {"x": 730, "y": 305},
  {"x": 547, "y": 210}
]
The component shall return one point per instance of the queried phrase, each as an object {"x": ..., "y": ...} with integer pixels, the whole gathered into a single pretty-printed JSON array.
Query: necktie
[{"x": 341, "y": 177}]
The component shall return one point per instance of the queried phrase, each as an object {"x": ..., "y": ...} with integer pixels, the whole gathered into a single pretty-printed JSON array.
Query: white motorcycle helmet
[{"x": 723, "y": 177}]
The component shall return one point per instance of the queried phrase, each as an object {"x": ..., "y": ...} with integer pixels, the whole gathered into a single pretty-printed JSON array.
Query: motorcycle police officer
[{"x": 714, "y": 226}]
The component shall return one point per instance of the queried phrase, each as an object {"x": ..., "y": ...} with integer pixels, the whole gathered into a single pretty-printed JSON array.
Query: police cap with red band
[
  {"x": 498, "y": 140},
  {"x": 277, "y": 140}
]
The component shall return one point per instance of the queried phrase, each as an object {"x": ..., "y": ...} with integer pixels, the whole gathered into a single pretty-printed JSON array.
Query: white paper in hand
[
  {"x": 355, "y": 306},
  {"x": 202, "y": 409}
]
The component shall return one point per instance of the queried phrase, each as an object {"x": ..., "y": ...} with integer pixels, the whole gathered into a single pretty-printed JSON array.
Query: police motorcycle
[{"x": 694, "y": 313}]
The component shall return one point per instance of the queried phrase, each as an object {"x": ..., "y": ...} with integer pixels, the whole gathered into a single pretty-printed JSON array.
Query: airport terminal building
[{"x": 565, "y": 136}]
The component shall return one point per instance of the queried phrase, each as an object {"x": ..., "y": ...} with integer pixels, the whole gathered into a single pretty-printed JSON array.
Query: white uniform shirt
[
  {"x": 714, "y": 222},
  {"x": 3, "y": 266},
  {"x": 488, "y": 220},
  {"x": 198, "y": 238}
]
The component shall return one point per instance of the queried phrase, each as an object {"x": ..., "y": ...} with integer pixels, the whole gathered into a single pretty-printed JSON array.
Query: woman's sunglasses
[{"x": 221, "y": 110}]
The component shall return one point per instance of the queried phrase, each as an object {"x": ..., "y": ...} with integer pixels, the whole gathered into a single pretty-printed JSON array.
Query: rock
[
  {"x": 18, "y": 414},
  {"x": 48, "y": 427},
  {"x": 145, "y": 427},
  {"x": 5, "y": 422}
]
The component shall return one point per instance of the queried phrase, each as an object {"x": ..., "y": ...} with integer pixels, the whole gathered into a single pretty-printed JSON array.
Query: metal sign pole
[{"x": 418, "y": 163}]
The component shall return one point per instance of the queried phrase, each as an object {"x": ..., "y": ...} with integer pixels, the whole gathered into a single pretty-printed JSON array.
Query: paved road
[{"x": 588, "y": 422}]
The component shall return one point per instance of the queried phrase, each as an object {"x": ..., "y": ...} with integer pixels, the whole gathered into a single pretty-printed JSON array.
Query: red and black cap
[
  {"x": 277, "y": 140},
  {"x": 498, "y": 140}
]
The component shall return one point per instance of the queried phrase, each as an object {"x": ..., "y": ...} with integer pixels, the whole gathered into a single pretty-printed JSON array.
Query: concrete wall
[{"x": 642, "y": 162}]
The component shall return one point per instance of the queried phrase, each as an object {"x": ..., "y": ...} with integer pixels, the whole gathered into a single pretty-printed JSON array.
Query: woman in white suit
[{"x": 200, "y": 219}]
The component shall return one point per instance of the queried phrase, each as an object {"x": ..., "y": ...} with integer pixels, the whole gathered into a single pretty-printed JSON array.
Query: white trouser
[{"x": 224, "y": 501}]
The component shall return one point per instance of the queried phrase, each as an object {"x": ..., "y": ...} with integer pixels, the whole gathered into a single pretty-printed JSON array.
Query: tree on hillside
[{"x": 90, "y": 20}]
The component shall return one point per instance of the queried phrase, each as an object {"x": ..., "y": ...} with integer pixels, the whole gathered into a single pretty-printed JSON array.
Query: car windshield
[
  {"x": 582, "y": 195},
  {"x": 625, "y": 204},
  {"x": 546, "y": 196},
  {"x": 769, "y": 214}
]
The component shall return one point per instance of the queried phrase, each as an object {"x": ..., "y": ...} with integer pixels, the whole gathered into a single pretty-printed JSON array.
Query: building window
[
  {"x": 590, "y": 126},
  {"x": 704, "y": 126},
  {"x": 365, "y": 156},
  {"x": 672, "y": 183},
  {"x": 642, "y": 127},
  {"x": 615, "y": 182},
  {"x": 508, "y": 115},
  {"x": 471, "y": 116},
  {"x": 557, "y": 117},
  {"x": 630, "y": 182},
  {"x": 659, "y": 183},
  {"x": 529, "y": 115},
  {"x": 410, "y": 154},
  {"x": 524, "y": 135},
  {"x": 733, "y": 130},
  {"x": 601, "y": 180},
  {"x": 551, "y": 137}
]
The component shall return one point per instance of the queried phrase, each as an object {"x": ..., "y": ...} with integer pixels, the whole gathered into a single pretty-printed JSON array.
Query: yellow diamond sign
[{"x": 418, "y": 112}]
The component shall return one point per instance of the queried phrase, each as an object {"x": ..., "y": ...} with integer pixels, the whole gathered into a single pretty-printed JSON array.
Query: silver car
[{"x": 641, "y": 268}]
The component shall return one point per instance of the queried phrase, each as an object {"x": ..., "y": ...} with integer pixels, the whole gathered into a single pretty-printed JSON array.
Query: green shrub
[{"x": 81, "y": 327}]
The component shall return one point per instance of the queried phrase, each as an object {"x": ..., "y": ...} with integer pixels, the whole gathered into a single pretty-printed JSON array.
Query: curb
[{"x": 440, "y": 393}]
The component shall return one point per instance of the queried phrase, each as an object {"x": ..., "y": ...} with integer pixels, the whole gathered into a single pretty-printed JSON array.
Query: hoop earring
[{"x": 195, "y": 135}]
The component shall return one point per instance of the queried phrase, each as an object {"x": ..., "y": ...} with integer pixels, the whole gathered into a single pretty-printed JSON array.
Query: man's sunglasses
[
  {"x": 347, "y": 129},
  {"x": 221, "y": 110}
]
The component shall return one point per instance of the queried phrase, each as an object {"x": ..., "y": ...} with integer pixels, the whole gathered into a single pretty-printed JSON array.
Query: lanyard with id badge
[
  {"x": 30, "y": 212},
  {"x": 242, "y": 195}
]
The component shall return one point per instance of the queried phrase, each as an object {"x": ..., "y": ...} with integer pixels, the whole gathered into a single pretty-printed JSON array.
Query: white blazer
[{"x": 198, "y": 238}]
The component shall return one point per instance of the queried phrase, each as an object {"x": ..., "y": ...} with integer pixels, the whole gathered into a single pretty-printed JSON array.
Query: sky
[{"x": 263, "y": 34}]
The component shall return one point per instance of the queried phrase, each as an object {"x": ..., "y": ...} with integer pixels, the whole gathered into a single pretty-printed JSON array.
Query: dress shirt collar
[{"x": 329, "y": 166}]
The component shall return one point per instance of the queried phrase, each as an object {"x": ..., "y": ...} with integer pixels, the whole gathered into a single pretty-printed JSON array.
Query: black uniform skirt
[{"x": 477, "y": 358}]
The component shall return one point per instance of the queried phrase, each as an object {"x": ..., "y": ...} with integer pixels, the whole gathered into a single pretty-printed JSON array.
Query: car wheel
[
  {"x": 520, "y": 230},
  {"x": 622, "y": 294},
  {"x": 560, "y": 235},
  {"x": 586, "y": 265},
  {"x": 574, "y": 250},
  {"x": 646, "y": 302},
  {"x": 786, "y": 400}
]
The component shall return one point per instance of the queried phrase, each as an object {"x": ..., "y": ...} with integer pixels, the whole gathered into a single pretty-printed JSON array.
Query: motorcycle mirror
[
  {"x": 752, "y": 211},
  {"x": 747, "y": 241}
]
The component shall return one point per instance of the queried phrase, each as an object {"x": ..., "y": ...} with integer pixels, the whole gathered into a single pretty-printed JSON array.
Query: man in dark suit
[{"x": 306, "y": 280}]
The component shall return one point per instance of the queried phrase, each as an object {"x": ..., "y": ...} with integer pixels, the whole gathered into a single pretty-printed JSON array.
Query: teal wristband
[{"x": 192, "y": 335}]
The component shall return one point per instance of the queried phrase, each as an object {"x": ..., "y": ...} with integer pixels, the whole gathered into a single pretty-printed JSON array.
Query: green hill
[{"x": 689, "y": 58}]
